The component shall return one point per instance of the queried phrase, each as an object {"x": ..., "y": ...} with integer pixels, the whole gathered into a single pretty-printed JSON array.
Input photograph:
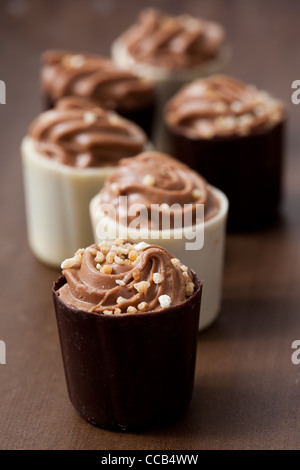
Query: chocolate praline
[
  {"x": 98, "y": 79},
  {"x": 248, "y": 168},
  {"x": 129, "y": 371}
]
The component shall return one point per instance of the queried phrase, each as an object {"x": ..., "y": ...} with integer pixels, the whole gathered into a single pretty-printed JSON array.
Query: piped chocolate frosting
[
  {"x": 170, "y": 42},
  {"x": 80, "y": 134},
  {"x": 154, "y": 178},
  {"x": 94, "y": 77},
  {"x": 221, "y": 106},
  {"x": 120, "y": 277}
]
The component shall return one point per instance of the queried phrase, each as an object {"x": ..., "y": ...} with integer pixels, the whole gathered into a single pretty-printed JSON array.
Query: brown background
[{"x": 247, "y": 391}]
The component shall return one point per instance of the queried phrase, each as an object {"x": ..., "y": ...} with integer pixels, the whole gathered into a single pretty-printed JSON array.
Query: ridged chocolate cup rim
[{"x": 61, "y": 281}]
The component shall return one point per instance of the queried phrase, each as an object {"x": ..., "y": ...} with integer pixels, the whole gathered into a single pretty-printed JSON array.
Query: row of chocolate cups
[
  {"x": 171, "y": 184},
  {"x": 122, "y": 370},
  {"x": 230, "y": 132},
  {"x": 58, "y": 192},
  {"x": 83, "y": 144},
  {"x": 129, "y": 361},
  {"x": 97, "y": 346}
]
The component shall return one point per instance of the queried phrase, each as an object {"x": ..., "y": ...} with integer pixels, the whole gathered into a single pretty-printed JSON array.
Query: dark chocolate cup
[
  {"x": 143, "y": 117},
  {"x": 133, "y": 370},
  {"x": 247, "y": 169}
]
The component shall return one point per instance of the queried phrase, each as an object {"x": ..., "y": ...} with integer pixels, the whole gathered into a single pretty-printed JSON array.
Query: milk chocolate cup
[
  {"x": 247, "y": 168},
  {"x": 207, "y": 262},
  {"x": 129, "y": 371},
  {"x": 57, "y": 200}
]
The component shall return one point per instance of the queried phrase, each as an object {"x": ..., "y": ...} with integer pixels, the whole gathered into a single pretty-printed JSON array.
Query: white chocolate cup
[
  {"x": 57, "y": 200},
  {"x": 167, "y": 81},
  {"x": 207, "y": 261}
]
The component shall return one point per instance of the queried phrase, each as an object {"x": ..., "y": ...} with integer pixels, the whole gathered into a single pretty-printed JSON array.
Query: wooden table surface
[{"x": 247, "y": 391}]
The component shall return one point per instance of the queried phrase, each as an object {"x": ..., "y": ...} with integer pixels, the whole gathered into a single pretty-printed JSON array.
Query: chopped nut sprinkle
[
  {"x": 141, "y": 246},
  {"x": 186, "y": 277},
  {"x": 74, "y": 262},
  {"x": 176, "y": 262},
  {"x": 236, "y": 106},
  {"x": 121, "y": 300},
  {"x": 133, "y": 254},
  {"x": 136, "y": 274},
  {"x": 89, "y": 117},
  {"x": 110, "y": 257},
  {"x": 99, "y": 258},
  {"x": 119, "y": 260},
  {"x": 131, "y": 309},
  {"x": 74, "y": 61},
  {"x": 120, "y": 282},
  {"x": 113, "y": 248},
  {"x": 142, "y": 306},
  {"x": 127, "y": 262},
  {"x": 107, "y": 312},
  {"x": 114, "y": 119},
  {"x": 119, "y": 242},
  {"x": 148, "y": 180},
  {"x": 206, "y": 130},
  {"x": 104, "y": 247},
  {"x": 197, "y": 193},
  {"x": 259, "y": 110},
  {"x": 117, "y": 311},
  {"x": 184, "y": 268},
  {"x": 164, "y": 300},
  {"x": 142, "y": 286},
  {"x": 106, "y": 269},
  {"x": 189, "y": 289},
  {"x": 115, "y": 189},
  {"x": 245, "y": 120},
  {"x": 104, "y": 243},
  {"x": 122, "y": 251},
  {"x": 158, "y": 278},
  {"x": 92, "y": 251}
]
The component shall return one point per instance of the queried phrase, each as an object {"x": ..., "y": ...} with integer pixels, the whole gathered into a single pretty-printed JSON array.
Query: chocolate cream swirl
[
  {"x": 221, "y": 106},
  {"x": 173, "y": 42},
  {"x": 154, "y": 178},
  {"x": 121, "y": 277},
  {"x": 93, "y": 77},
  {"x": 80, "y": 134}
]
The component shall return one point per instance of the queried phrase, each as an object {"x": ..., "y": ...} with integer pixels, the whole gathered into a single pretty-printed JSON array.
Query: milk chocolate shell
[{"x": 131, "y": 370}]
